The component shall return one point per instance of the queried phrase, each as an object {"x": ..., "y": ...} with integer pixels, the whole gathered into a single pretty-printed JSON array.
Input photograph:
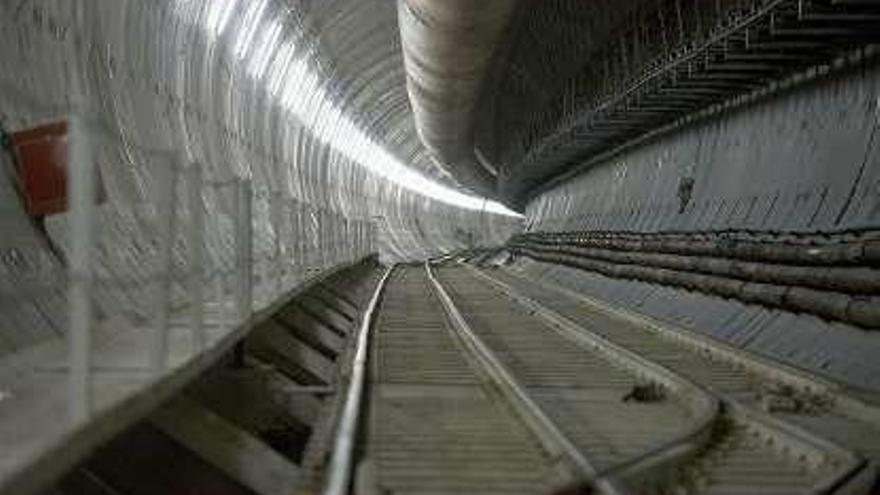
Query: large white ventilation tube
[{"x": 448, "y": 47}]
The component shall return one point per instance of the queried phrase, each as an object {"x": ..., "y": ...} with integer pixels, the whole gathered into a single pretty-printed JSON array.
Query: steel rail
[
  {"x": 546, "y": 431},
  {"x": 860, "y": 403},
  {"x": 340, "y": 469},
  {"x": 847, "y": 476},
  {"x": 704, "y": 404}
]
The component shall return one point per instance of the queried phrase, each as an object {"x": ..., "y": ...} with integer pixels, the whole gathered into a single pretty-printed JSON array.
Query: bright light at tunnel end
[{"x": 276, "y": 62}]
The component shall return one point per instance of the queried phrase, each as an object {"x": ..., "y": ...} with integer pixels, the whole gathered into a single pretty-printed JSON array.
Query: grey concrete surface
[
  {"x": 844, "y": 353},
  {"x": 807, "y": 160}
]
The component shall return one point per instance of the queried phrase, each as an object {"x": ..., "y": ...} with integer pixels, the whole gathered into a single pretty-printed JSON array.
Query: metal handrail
[{"x": 339, "y": 472}]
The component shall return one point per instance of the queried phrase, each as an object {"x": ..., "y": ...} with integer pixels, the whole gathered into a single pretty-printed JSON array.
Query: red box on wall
[{"x": 41, "y": 159}]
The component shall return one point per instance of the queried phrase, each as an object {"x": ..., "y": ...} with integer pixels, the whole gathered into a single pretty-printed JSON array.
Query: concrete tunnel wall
[
  {"x": 807, "y": 160},
  {"x": 162, "y": 76},
  {"x": 245, "y": 88}
]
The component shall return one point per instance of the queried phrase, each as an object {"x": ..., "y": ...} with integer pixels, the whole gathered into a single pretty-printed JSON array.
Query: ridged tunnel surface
[
  {"x": 425, "y": 245},
  {"x": 307, "y": 100}
]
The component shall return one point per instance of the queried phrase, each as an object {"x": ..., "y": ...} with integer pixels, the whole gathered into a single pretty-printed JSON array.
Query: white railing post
[
  {"x": 362, "y": 238},
  {"x": 277, "y": 202},
  {"x": 196, "y": 243},
  {"x": 306, "y": 238},
  {"x": 166, "y": 212},
  {"x": 309, "y": 240},
  {"x": 373, "y": 237},
  {"x": 335, "y": 229},
  {"x": 244, "y": 248},
  {"x": 339, "y": 239},
  {"x": 226, "y": 313},
  {"x": 331, "y": 238},
  {"x": 343, "y": 239},
  {"x": 249, "y": 248},
  {"x": 322, "y": 238},
  {"x": 369, "y": 236},
  {"x": 295, "y": 248},
  {"x": 352, "y": 241},
  {"x": 344, "y": 247},
  {"x": 364, "y": 248},
  {"x": 81, "y": 196},
  {"x": 267, "y": 263},
  {"x": 302, "y": 236},
  {"x": 347, "y": 240}
]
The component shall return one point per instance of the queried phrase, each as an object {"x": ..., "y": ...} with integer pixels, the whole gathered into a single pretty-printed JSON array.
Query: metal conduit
[
  {"x": 448, "y": 47},
  {"x": 853, "y": 280},
  {"x": 339, "y": 473},
  {"x": 789, "y": 248},
  {"x": 856, "y": 310}
]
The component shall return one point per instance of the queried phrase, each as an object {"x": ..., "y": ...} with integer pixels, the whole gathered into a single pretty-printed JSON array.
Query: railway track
[
  {"x": 474, "y": 387},
  {"x": 590, "y": 395},
  {"x": 434, "y": 427},
  {"x": 782, "y": 430},
  {"x": 447, "y": 379}
]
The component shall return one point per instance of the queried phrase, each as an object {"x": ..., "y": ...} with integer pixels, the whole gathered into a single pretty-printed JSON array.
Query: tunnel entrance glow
[{"x": 284, "y": 69}]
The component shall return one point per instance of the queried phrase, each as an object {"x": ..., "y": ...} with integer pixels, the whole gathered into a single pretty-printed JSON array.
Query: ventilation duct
[{"x": 448, "y": 47}]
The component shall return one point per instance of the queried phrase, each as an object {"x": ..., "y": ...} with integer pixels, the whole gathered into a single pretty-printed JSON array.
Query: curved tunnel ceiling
[
  {"x": 515, "y": 97},
  {"x": 308, "y": 98},
  {"x": 280, "y": 80},
  {"x": 336, "y": 68}
]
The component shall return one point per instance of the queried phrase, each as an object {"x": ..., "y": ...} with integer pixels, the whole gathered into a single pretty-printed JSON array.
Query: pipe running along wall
[
  {"x": 725, "y": 227},
  {"x": 448, "y": 47}
]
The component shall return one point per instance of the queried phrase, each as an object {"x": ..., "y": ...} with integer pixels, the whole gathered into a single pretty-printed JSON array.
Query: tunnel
[{"x": 391, "y": 247}]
